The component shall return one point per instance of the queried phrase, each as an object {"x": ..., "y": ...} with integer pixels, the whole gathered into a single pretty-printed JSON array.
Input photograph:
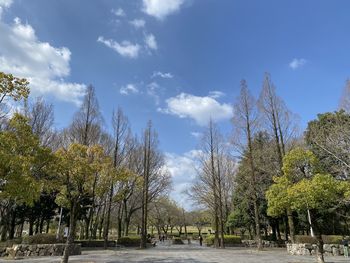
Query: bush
[
  {"x": 327, "y": 239},
  {"x": 10, "y": 243},
  {"x": 129, "y": 241},
  {"x": 41, "y": 239},
  {"x": 228, "y": 239},
  {"x": 332, "y": 239},
  {"x": 177, "y": 241},
  {"x": 95, "y": 243}
]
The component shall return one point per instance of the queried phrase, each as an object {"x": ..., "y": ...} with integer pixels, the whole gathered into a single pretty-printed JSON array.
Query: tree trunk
[
  {"x": 127, "y": 224},
  {"x": 47, "y": 225},
  {"x": 108, "y": 218},
  {"x": 257, "y": 225},
  {"x": 291, "y": 225},
  {"x": 71, "y": 234},
  {"x": 37, "y": 223},
  {"x": 31, "y": 226},
  {"x": 41, "y": 225},
  {"x": 12, "y": 225}
]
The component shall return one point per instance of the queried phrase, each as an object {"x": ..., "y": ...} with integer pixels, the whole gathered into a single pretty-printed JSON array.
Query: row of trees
[
  {"x": 267, "y": 178},
  {"x": 92, "y": 178}
]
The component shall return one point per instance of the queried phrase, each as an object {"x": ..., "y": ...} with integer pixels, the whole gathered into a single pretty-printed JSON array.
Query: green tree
[
  {"x": 24, "y": 170},
  {"x": 23, "y": 162},
  {"x": 318, "y": 195},
  {"x": 304, "y": 189},
  {"x": 11, "y": 88},
  {"x": 77, "y": 168},
  {"x": 328, "y": 138}
]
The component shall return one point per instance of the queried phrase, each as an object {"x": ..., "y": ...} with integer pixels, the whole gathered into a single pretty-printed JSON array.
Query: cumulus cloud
[
  {"x": 125, "y": 48},
  {"x": 151, "y": 42},
  {"x": 138, "y": 23},
  {"x": 129, "y": 89},
  {"x": 297, "y": 63},
  {"x": 165, "y": 75},
  {"x": 161, "y": 8},
  {"x": 200, "y": 109},
  {"x": 119, "y": 12},
  {"x": 183, "y": 170},
  {"x": 45, "y": 66}
]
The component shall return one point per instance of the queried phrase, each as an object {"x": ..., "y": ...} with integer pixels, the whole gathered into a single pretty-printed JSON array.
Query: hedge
[
  {"x": 41, "y": 239},
  {"x": 228, "y": 239},
  {"x": 95, "y": 243},
  {"x": 327, "y": 239},
  {"x": 129, "y": 241}
]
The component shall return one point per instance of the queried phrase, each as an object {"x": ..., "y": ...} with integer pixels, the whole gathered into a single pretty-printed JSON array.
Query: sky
[{"x": 177, "y": 62}]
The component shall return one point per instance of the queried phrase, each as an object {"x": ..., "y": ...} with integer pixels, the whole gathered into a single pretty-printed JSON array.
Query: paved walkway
[{"x": 166, "y": 253}]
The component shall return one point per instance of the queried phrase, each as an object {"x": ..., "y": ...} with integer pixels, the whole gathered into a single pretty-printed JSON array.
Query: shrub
[
  {"x": 332, "y": 239},
  {"x": 327, "y": 239},
  {"x": 228, "y": 239},
  {"x": 129, "y": 241},
  {"x": 41, "y": 239},
  {"x": 177, "y": 241},
  {"x": 95, "y": 243},
  {"x": 10, "y": 243}
]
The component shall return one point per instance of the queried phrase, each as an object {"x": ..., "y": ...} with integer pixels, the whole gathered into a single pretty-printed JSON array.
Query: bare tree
[
  {"x": 281, "y": 123},
  {"x": 120, "y": 127},
  {"x": 41, "y": 119},
  {"x": 86, "y": 125},
  {"x": 208, "y": 187},
  {"x": 155, "y": 177},
  {"x": 245, "y": 124}
]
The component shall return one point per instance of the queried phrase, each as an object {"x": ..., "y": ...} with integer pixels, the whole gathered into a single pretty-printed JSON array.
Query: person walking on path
[{"x": 200, "y": 240}]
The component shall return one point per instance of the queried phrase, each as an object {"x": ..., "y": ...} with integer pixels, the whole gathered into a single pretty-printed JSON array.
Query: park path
[{"x": 193, "y": 253}]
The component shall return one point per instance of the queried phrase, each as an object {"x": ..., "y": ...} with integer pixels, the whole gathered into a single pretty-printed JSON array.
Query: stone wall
[
  {"x": 310, "y": 249},
  {"x": 18, "y": 251}
]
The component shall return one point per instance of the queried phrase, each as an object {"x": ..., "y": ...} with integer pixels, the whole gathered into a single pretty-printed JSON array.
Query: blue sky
[{"x": 177, "y": 62}]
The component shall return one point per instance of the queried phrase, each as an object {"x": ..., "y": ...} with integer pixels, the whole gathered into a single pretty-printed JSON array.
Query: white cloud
[
  {"x": 161, "y": 8},
  {"x": 138, "y": 23},
  {"x": 151, "y": 42},
  {"x": 119, "y": 12},
  {"x": 125, "y": 48},
  {"x": 129, "y": 89},
  {"x": 4, "y": 4},
  {"x": 297, "y": 63},
  {"x": 182, "y": 169},
  {"x": 216, "y": 94},
  {"x": 166, "y": 75},
  {"x": 200, "y": 109},
  {"x": 45, "y": 66}
]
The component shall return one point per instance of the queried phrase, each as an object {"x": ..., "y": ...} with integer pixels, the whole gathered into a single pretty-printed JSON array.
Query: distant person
[
  {"x": 346, "y": 247},
  {"x": 200, "y": 240}
]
